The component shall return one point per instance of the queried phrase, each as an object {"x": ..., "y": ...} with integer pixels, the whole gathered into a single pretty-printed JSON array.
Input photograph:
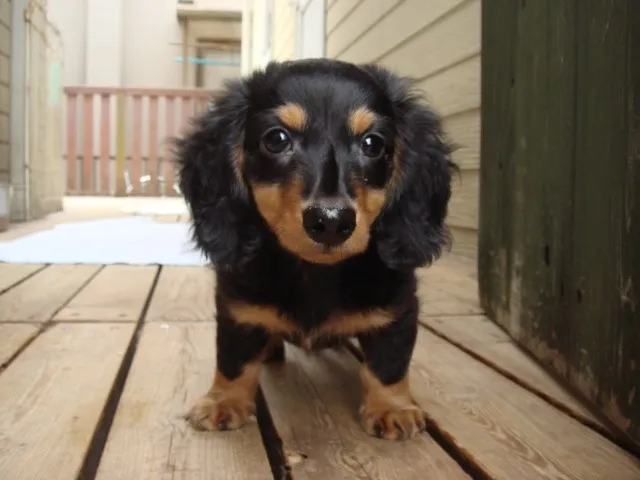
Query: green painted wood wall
[{"x": 559, "y": 235}]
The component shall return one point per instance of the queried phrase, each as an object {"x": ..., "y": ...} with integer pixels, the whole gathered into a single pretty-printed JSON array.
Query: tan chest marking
[{"x": 338, "y": 324}]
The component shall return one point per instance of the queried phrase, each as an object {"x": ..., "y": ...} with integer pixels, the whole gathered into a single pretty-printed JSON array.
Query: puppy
[{"x": 316, "y": 188}]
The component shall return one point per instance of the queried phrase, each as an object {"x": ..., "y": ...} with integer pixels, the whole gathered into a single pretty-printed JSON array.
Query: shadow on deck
[{"x": 99, "y": 363}]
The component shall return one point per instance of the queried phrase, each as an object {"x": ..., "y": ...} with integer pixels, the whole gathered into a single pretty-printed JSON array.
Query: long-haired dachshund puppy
[{"x": 316, "y": 188}]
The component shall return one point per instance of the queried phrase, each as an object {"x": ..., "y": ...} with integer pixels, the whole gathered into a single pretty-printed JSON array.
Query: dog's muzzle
[{"x": 329, "y": 225}]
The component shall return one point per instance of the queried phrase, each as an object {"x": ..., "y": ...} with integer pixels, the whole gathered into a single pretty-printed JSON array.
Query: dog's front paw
[
  {"x": 225, "y": 414},
  {"x": 394, "y": 423}
]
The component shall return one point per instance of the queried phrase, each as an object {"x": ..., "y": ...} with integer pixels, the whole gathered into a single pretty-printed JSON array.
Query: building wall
[
  {"x": 438, "y": 43},
  {"x": 5, "y": 98},
  {"x": 284, "y": 30},
  {"x": 134, "y": 42},
  {"x": 264, "y": 42}
]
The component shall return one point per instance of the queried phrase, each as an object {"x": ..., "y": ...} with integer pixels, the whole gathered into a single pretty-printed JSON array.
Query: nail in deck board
[
  {"x": 117, "y": 293},
  {"x": 314, "y": 401},
  {"x": 12, "y": 273},
  {"x": 510, "y": 432},
  {"x": 38, "y": 298},
  {"x": 52, "y": 397},
  {"x": 183, "y": 294},
  {"x": 173, "y": 366}
]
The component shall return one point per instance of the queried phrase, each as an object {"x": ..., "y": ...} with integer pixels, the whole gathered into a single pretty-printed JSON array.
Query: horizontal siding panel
[
  {"x": 337, "y": 11},
  {"x": 456, "y": 89},
  {"x": 450, "y": 40},
  {"x": 464, "y": 131},
  {"x": 409, "y": 18},
  {"x": 463, "y": 206},
  {"x": 366, "y": 14},
  {"x": 465, "y": 242}
]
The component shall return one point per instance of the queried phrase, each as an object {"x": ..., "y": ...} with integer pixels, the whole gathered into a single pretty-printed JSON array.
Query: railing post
[
  {"x": 105, "y": 143},
  {"x": 136, "y": 145},
  {"x": 152, "y": 165},
  {"x": 87, "y": 176},
  {"x": 121, "y": 189},
  {"x": 167, "y": 161},
  {"x": 72, "y": 138}
]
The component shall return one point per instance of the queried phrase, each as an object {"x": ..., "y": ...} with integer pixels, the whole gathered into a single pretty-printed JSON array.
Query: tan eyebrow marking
[
  {"x": 292, "y": 115},
  {"x": 360, "y": 120}
]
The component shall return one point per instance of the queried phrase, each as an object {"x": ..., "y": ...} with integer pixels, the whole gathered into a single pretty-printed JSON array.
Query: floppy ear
[
  {"x": 209, "y": 159},
  {"x": 410, "y": 231}
]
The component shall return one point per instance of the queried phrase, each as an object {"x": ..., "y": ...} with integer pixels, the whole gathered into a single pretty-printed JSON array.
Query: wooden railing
[{"x": 117, "y": 138}]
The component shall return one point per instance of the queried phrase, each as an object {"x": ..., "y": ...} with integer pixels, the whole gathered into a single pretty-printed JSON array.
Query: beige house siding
[
  {"x": 135, "y": 43},
  {"x": 5, "y": 98},
  {"x": 436, "y": 42},
  {"x": 284, "y": 30}
]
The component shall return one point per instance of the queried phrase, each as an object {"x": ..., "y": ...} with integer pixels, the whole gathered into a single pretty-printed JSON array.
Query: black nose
[{"x": 329, "y": 225}]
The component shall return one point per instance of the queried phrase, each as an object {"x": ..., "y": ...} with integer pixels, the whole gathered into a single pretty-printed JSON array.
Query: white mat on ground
[{"x": 130, "y": 240}]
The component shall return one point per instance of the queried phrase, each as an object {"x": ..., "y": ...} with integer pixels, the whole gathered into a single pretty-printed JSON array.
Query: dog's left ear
[
  {"x": 410, "y": 231},
  {"x": 209, "y": 158}
]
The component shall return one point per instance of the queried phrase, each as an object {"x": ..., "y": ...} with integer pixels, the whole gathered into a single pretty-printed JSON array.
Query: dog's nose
[{"x": 329, "y": 226}]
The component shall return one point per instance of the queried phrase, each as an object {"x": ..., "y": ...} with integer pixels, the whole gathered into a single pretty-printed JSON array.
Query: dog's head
[{"x": 328, "y": 157}]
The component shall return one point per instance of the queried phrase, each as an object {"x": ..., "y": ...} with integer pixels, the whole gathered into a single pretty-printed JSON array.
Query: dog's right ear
[{"x": 209, "y": 159}]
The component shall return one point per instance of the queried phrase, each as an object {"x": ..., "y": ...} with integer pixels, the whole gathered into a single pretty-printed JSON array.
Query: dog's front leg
[
  {"x": 231, "y": 399},
  {"x": 388, "y": 409}
]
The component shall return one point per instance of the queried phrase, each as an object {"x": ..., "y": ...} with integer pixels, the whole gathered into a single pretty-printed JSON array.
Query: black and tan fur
[{"x": 297, "y": 136}]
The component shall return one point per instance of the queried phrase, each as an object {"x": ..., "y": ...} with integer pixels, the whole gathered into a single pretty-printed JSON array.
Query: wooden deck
[{"x": 99, "y": 363}]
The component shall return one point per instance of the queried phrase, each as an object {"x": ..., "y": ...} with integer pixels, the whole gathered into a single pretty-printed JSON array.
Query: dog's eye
[
  {"x": 276, "y": 141},
  {"x": 373, "y": 146}
]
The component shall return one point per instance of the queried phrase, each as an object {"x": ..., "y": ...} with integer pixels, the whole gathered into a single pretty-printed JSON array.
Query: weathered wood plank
[
  {"x": 149, "y": 439},
  {"x": 183, "y": 294},
  {"x": 485, "y": 339},
  {"x": 12, "y": 273},
  {"x": 41, "y": 296},
  {"x": 12, "y": 338},
  {"x": 314, "y": 401},
  {"x": 543, "y": 177},
  {"x": 508, "y": 431},
  {"x": 309, "y": 432},
  {"x": 117, "y": 293},
  {"x": 52, "y": 397},
  {"x": 602, "y": 290},
  {"x": 559, "y": 279},
  {"x": 499, "y": 42}
]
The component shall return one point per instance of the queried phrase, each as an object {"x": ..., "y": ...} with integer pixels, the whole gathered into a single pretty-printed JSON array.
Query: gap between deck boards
[
  {"x": 602, "y": 426},
  {"x": 91, "y": 462},
  {"x": 275, "y": 449}
]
